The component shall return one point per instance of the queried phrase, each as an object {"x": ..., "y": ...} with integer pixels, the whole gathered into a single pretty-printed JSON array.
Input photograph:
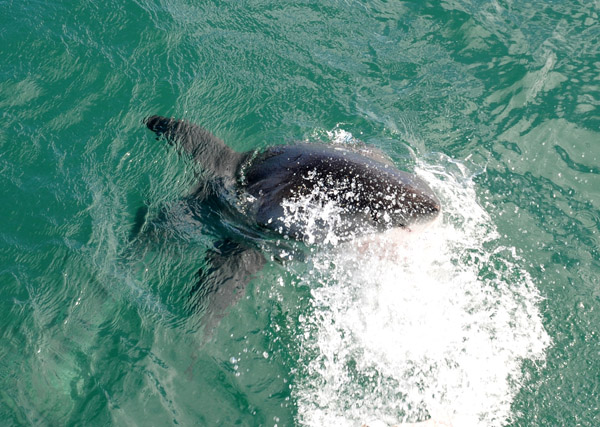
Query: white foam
[
  {"x": 428, "y": 323},
  {"x": 340, "y": 136}
]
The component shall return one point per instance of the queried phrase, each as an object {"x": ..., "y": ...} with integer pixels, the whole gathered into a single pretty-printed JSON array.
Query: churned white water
[{"x": 432, "y": 323}]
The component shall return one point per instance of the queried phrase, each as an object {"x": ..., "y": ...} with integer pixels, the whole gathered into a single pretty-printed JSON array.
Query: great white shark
[{"x": 274, "y": 194}]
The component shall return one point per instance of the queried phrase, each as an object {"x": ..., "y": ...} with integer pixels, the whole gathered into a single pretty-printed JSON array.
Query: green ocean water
[{"x": 491, "y": 317}]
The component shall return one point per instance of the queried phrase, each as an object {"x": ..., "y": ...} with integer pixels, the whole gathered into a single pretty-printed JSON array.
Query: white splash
[
  {"x": 340, "y": 136},
  {"x": 427, "y": 324},
  {"x": 317, "y": 219}
]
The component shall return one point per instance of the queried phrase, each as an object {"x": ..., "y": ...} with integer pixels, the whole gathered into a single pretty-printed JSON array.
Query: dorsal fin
[{"x": 205, "y": 148}]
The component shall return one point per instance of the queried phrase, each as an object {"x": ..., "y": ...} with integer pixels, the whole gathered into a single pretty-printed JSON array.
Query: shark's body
[
  {"x": 279, "y": 190},
  {"x": 371, "y": 195}
]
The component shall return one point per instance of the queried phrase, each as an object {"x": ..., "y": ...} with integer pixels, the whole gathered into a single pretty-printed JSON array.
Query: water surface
[{"x": 488, "y": 317}]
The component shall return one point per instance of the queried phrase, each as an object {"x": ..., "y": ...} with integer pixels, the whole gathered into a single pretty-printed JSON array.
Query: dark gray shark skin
[{"x": 371, "y": 194}]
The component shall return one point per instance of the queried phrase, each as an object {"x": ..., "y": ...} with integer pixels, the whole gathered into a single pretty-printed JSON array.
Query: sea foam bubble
[{"x": 430, "y": 323}]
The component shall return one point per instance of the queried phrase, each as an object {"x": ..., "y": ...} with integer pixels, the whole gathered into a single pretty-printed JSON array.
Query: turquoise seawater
[{"x": 490, "y": 316}]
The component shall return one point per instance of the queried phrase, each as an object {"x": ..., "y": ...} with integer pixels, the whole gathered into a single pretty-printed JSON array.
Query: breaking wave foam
[{"x": 412, "y": 325}]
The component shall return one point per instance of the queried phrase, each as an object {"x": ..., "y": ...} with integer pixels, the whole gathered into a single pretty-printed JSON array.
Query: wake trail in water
[{"x": 431, "y": 323}]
